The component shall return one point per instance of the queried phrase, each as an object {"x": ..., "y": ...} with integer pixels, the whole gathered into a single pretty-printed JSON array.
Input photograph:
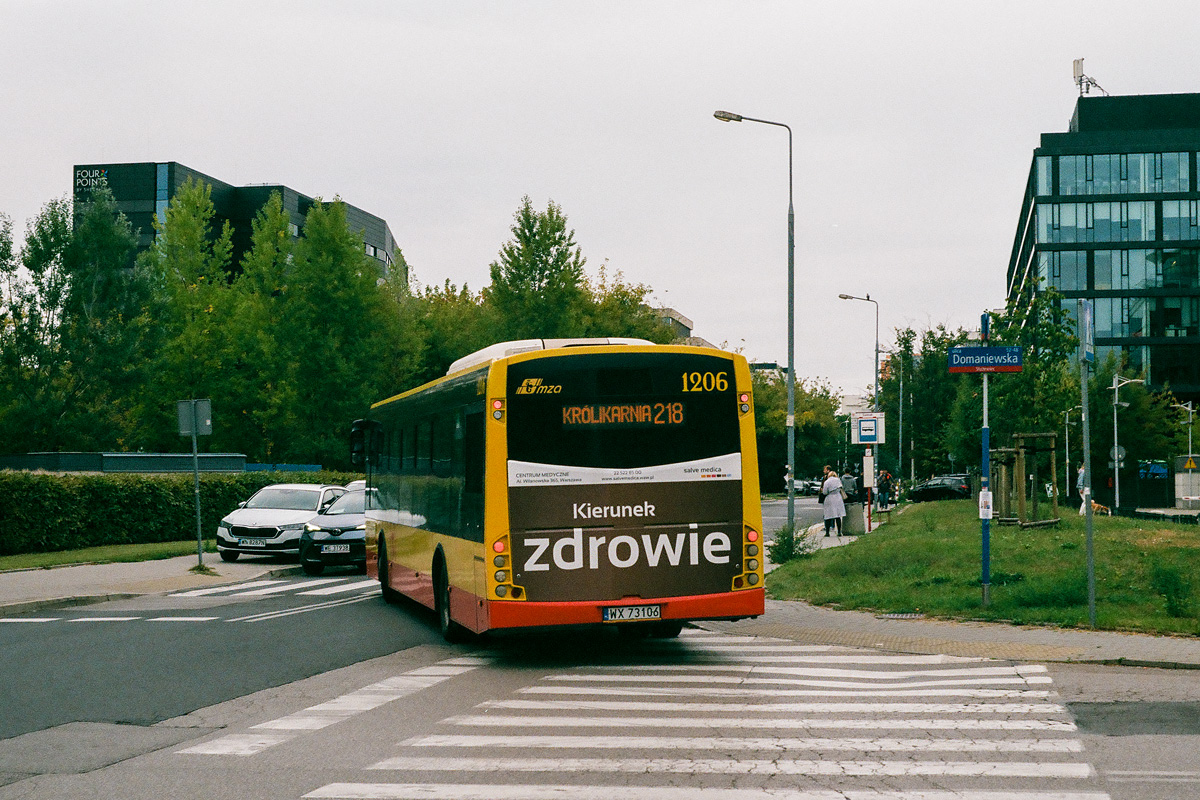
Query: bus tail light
[
  {"x": 497, "y": 409},
  {"x": 744, "y": 404},
  {"x": 752, "y": 561}
]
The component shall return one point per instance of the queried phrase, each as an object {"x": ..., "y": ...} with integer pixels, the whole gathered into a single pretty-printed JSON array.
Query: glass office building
[
  {"x": 1110, "y": 213},
  {"x": 143, "y": 190}
]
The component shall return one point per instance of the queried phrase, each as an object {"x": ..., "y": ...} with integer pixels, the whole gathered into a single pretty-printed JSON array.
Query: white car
[{"x": 272, "y": 520}]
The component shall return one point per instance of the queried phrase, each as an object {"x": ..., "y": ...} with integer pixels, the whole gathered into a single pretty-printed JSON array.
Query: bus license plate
[
  {"x": 631, "y": 613},
  {"x": 251, "y": 543},
  {"x": 335, "y": 548}
]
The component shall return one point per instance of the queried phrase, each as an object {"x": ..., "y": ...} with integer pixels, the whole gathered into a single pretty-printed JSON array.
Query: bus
[{"x": 546, "y": 483}]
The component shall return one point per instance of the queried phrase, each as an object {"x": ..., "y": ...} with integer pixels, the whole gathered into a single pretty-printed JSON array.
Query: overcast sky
[{"x": 914, "y": 124}]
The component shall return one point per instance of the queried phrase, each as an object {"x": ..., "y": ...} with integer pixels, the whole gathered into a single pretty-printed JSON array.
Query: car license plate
[
  {"x": 251, "y": 543},
  {"x": 335, "y": 548},
  {"x": 631, "y": 613}
]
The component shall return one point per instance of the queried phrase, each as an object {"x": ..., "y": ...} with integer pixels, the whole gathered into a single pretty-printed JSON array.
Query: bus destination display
[{"x": 623, "y": 415}]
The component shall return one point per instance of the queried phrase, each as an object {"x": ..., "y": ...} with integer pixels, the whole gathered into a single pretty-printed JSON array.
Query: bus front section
[{"x": 630, "y": 489}]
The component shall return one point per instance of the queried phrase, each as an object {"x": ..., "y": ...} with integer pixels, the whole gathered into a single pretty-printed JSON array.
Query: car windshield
[
  {"x": 289, "y": 499},
  {"x": 349, "y": 503}
]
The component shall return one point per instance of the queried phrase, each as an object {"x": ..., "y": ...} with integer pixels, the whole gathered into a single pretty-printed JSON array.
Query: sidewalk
[
  {"x": 26, "y": 591},
  {"x": 30, "y": 591}
]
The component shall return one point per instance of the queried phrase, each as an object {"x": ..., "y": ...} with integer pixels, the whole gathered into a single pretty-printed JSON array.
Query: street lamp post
[
  {"x": 725, "y": 116},
  {"x": 868, "y": 299},
  {"x": 1067, "y": 444},
  {"x": 1118, "y": 382},
  {"x": 1189, "y": 407}
]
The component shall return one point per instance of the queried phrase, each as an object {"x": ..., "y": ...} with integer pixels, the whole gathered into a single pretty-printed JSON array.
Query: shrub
[
  {"x": 1169, "y": 583},
  {"x": 48, "y": 512}
]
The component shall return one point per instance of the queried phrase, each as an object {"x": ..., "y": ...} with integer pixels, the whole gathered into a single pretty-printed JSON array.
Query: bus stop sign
[{"x": 866, "y": 428}]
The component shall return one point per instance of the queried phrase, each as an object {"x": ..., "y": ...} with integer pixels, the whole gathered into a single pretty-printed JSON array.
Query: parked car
[
  {"x": 942, "y": 487},
  {"x": 271, "y": 521},
  {"x": 336, "y": 537},
  {"x": 356, "y": 486}
]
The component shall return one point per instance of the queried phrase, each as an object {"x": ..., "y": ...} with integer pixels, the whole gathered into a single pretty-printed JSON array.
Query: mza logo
[{"x": 536, "y": 386}]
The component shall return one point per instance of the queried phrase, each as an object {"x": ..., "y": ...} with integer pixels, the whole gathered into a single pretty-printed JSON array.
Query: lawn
[
  {"x": 104, "y": 555},
  {"x": 927, "y": 560}
]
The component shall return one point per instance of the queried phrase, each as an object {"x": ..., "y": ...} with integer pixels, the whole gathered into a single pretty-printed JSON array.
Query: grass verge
[
  {"x": 109, "y": 554},
  {"x": 928, "y": 560}
]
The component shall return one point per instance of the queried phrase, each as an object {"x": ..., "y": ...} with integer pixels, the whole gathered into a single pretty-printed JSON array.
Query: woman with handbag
[{"x": 833, "y": 501}]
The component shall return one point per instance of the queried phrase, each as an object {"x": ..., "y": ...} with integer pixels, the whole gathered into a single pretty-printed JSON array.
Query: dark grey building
[
  {"x": 1110, "y": 213},
  {"x": 142, "y": 191}
]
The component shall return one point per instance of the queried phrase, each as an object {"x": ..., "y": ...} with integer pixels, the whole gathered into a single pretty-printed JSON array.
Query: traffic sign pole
[{"x": 985, "y": 481}]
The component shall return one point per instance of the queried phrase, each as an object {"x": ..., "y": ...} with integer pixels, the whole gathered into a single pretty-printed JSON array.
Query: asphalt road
[
  {"x": 592, "y": 716},
  {"x": 145, "y": 660}
]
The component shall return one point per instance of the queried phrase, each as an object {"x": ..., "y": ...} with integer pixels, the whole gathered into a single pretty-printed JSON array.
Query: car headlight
[
  {"x": 362, "y": 527},
  {"x": 223, "y": 526},
  {"x": 310, "y": 527},
  {"x": 293, "y": 527}
]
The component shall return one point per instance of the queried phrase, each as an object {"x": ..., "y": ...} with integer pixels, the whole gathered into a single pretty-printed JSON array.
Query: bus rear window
[{"x": 621, "y": 410}]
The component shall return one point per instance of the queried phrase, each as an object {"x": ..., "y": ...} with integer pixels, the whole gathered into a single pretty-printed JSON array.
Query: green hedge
[{"x": 45, "y": 512}]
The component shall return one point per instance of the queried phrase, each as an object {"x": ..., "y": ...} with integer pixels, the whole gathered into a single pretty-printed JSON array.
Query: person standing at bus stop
[
  {"x": 885, "y": 489},
  {"x": 832, "y": 501}
]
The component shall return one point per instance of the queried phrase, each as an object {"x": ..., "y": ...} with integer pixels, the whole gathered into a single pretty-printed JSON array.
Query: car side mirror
[{"x": 242, "y": 504}]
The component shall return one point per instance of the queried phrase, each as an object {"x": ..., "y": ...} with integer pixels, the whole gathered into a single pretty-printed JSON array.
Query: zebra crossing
[
  {"x": 717, "y": 717},
  {"x": 327, "y": 593}
]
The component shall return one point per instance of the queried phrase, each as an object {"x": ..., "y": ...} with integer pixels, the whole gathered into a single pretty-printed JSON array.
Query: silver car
[{"x": 272, "y": 520}]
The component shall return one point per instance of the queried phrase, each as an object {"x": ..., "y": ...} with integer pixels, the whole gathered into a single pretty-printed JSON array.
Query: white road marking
[
  {"x": 285, "y": 587},
  {"x": 791, "y": 708},
  {"x": 493, "y": 791},
  {"x": 333, "y": 711},
  {"x": 633, "y": 743},
  {"x": 30, "y": 619},
  {"x": 182, "y": 619},
  {"x": 220, "y": 589},
  {"x": 1151, "y": 776},
  {"x": 760, "y": 724},
  {"x": 693, "y": 691},
  {"x": 289, "y": 612},
  {"x": 741, "y": 680},
  {"x": 829, "y": 672},
  {"x": 103, "y": 619},
  {"x": 350, "y": 587},
  {"x": 243, "y": 744},
  {"x": 701, "y": 766}
]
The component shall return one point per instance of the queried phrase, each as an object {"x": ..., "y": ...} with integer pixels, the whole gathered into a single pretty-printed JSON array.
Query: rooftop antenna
[{"x": 1085, "y": 83}]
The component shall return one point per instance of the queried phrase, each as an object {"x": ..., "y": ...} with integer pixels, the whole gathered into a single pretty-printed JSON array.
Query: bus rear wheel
[
  {"x": 451, "y": 631},
  {"x": 667, "y": 629}
]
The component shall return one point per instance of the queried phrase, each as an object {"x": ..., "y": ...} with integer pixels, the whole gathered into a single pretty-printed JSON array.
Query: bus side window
[
  {"x": 424, "y": 465},
  {"x": 473, "y": 453}
]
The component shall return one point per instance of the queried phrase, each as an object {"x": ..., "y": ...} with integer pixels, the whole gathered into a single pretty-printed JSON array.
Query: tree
[
  {"x": 190, "y": 263},
  {"x": 617, "y": 308},
  {"x": 74, "y": 330},
  {"x": 929, "y": 396},
  {"x": 818, "y": 431},
  {"x": 1029, "y": 401},
  {"x": 333, "y": 336},
  {"x": 538, "y": 285}
]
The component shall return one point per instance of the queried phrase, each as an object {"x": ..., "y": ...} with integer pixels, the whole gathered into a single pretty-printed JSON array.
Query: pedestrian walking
[
  {"x": 1079, "y": 489},
  {"x": 885, "y": 489},
  {"x": 833, "y": 501}
]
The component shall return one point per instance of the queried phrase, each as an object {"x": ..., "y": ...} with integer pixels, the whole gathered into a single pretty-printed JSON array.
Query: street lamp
[
  {"x": 725, "y": 116},
  {"x": 1067, "y": 443},
  {"x": 1189, "y": 407},
  {"x": 868, "y": 299},
  {"x": 1118, "y": 382}
]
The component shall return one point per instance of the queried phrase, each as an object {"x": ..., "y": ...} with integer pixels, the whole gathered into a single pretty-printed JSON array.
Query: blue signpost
[{"x": 986, "y": 360}]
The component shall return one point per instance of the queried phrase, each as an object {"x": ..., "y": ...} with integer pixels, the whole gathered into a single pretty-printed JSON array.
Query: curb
[{"x": 55, "y": 603}]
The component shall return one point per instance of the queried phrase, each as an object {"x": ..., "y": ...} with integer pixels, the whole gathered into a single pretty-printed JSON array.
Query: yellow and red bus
[{"x": 569, "y": 482}]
